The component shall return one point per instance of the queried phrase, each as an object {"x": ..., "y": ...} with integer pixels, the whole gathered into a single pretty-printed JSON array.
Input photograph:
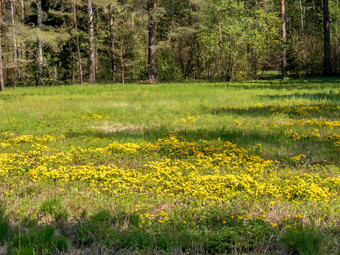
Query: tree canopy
[{"x": 75, "y": 41}]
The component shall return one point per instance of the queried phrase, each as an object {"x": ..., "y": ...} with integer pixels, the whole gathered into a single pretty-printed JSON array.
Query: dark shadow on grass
[
  {"x": 317, "y": 150},
  {"x": 10, "y": 98},
  {"x": 309, "y": 96},
  {"x": 214, "y": 231},
  {"x": 308, "y": 83},
  {"x": 297, "y": 111},
  {"x": 151, "y": 135}
]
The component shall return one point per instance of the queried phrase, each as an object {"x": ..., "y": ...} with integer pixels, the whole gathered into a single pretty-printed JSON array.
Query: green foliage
[
  {"x": 39, "y": 241},
  {"x": 220, "y": 40},
  {"x": 53, "y": 207},
  {"x": 301, "y": 240},
  {"x": 240, "y": 37},
  {"x": 4, "y": 228}
]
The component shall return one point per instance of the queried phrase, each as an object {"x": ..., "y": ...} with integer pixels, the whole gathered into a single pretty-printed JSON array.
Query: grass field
[{"x": 207, "y": 168}]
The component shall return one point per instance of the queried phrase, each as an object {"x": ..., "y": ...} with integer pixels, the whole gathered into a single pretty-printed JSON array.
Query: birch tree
[
  {"x": 92, "y": 57},
  {"x": 40, "y": 44}
]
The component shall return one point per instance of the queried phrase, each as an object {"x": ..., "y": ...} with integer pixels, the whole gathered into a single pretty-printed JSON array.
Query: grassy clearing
[{"x": 173, "y": 168}]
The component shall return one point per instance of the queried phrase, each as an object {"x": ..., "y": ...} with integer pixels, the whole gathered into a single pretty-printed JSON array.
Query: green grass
[
  {"x": 276, "y": 120},
  {"x": 156, "y": 110}
]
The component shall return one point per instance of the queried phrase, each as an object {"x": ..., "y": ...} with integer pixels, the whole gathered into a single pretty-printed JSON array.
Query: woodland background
[{"x": 51, "y": 42}]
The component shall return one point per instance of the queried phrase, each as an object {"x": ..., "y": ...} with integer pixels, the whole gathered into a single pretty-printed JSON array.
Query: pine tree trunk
[
  {"x": 327, "y": 69},
  {"x": 40, "y": 45},
  {"x": 152, "y": 8},
  {"x": 112, "y": 48},
  {"x": 92, "y": 71},
  {"x": 2, "y": 87},
  {"x": 14, "y": 39},
  {"x": 284, "y": 41},
  {"x": 77, "y": 42}
]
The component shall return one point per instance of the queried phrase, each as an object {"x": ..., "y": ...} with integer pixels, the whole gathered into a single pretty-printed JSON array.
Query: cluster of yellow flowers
[
  {"x": 190, "y": 119},
  {"x": 95, "y": 116},
  {"x": 289, "y": 107},
  {"x": 295, "y": 136},
  {"x": 304, "y": 123},
  {"x": 210, "y": 171},
  {"x": 11, "y": 120}
]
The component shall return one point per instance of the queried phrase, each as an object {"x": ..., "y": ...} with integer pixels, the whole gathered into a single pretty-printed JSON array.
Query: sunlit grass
[{"x": 172, "y": 168}]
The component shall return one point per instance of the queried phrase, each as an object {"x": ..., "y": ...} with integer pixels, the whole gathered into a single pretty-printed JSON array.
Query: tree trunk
[
  {"x": 219, "y": 25},
  {"x": 122, "y": 64},
  {"x": 112, "y": 48},
  {"x": 77, "y": 42},
  {"x": 2, "y": 87},
  {"x": 284, "y": 41},
  {"x": 40, "y": 45},
  {"x": 327, "y": 68},
  {"x": 302, "y": 25},
  {"x": 152, "y": 8},
  {"x": 15, "y": 48},
  {"x": 22, "y": 46},
  {"x": 92, "y": 71}
]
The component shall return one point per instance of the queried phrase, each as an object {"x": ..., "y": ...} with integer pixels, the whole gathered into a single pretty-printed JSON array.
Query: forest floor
[{"x": 206, "y": 168}]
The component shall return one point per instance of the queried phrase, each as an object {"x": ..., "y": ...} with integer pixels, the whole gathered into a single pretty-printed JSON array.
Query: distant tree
[
  {"x": 74, "y": 7},
  {"x": 284, "y": 40},
  {"x": 92, "y": 58},
  {"x": 152, "y": 29},
  {"x": 327, "y": 68},
  {"x": 112, "y": 44},
  {"x": 14, "y": 42},
  {"x": 40, "y": 44},
  {"x": 2, "y": 87}
]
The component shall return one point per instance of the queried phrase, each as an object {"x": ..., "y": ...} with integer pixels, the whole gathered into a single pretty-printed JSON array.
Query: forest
[
  {"x": 50, "y": 42},
  {"x": 172, "y": 127}
]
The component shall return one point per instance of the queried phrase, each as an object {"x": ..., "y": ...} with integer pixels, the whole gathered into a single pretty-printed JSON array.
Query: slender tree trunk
[
  {"x": 220, "y": 33},
  {"x": 92, "y": 71},
  {"x": 133, "y": 17},
  {"x": 112, "y": 48},
  {"x": 302, "y": 25},
  {"x": 122, "y": 64},
  {"x": 284, "y": 41},
  {"x": 2, "y": 86},
  {"x": 40, "y": 45},
  {"x": 22, "y": 3},
  {"x": 23, "y": 46},
  {"x": 77, "y": 42},
  {"x": 327, "y": 69},
  {"x": 74, "y": 65},
  {"x": 14, "y": 39},
  {"x": 152, "y": 8}
]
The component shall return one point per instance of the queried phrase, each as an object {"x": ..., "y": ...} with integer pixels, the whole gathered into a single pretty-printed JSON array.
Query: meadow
[{"x": 204, "y": 168}]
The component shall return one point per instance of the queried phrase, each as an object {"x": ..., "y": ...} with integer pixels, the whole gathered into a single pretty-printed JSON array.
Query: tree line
[{"x": 48, "y": 42}]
